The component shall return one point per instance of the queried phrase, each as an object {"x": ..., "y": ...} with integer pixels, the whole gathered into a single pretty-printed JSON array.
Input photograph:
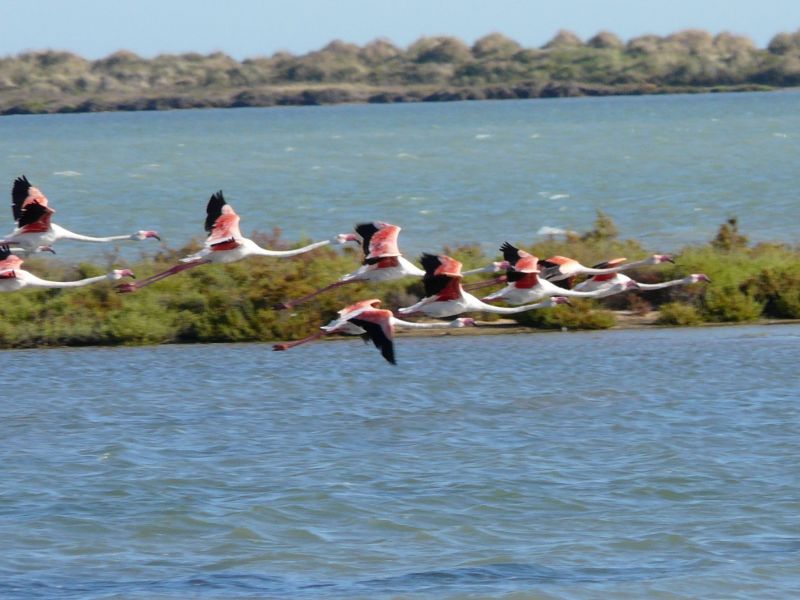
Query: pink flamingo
[
  {"x": 557, "y": 268},
  {"x": 366, "y": 319},
  {"x": 444, "y": 296},
  {"x": 525, "y": 285},
  {"x": 382, "y": 259},
  {"x": 34, "y": 230},
  {"x": 602, "y": 282},
  {"x": 225, "y": 244},
  {"x": 13, "y": 278}
]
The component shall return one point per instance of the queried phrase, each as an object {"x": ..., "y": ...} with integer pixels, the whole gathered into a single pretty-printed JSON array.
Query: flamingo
[
  {"x": 444, "y": 296},
  {"x": 525, "y": 285},
  {"x": 225, "y": 244},
  {"x": 382, "y": 259},
  {"x": 13, "y": 278},
  {"x": 35, "y": 232},
  {"x": 367, "y": 319},
  {"x": 557, "y": 268},
  {"x": 601, "y": 282}
]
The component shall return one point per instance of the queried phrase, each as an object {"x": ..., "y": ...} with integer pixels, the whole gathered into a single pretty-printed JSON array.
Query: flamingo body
[
  {"x": 382, "y": 259},
  {"x": 608, "y": 280},
  {"x": 557, "y": 268},
  {"x": 445, "y": 297},
  {"x": 368, "y": 320},
  {"x": 35, "y": 230},
  {"x": 13, "y": 277},
  {"x": 224, "y": 244}
]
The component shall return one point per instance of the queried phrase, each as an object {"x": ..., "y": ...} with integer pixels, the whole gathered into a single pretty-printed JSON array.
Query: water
[
  {"x": 620, "y": 464},
  {"x": 668, "y": 169}
]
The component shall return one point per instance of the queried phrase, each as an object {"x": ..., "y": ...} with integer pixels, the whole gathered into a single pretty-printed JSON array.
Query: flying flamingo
[
  {"x": 601, "y": 282},
  {"x": 382, "y": 259},
  {"x": 557, "y": 268},
  {"x": 366, "y": 319},
  {"x": 525, "y": 285},
  {"x": 444, "y": 296},
  {"x": 225, "y": 244},
  {"x": 13, "y": 278},
  {"x": 35, "y": 231}
]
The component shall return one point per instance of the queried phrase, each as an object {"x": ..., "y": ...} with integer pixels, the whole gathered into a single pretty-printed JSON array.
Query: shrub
[{"x": 678, "y": 313}]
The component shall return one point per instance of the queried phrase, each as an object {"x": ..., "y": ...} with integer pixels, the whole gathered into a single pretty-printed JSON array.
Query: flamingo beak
[
  {"x": 669, "y": 258},
  {"x": 152, "y": 234},
  {"x": 46, "y": 249}
]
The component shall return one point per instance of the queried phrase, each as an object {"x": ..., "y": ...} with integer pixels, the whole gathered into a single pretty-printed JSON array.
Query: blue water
[
  {"x": 668, "y": 169},
  {"x": 621, "y": 464}
]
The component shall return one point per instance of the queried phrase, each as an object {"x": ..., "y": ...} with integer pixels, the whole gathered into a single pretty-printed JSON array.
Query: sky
[{"x": 250, "y": 28}]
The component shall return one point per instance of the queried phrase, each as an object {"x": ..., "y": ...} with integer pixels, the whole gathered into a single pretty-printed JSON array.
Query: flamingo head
[
  {"x": 462, "y": 322},
  {"x": 502, "y": 265},
  {"x": 343, "y": 238},
  {"x": 662, "y": 258},
  {"x": 144, "y": 234},
  {"x": 118, "y": 274},
  {"x": 556, "y": 300},
  {"x": 45, "y": 249},
  {"x": 630, "y": 285},
  {"x": 695, "y": 277}
]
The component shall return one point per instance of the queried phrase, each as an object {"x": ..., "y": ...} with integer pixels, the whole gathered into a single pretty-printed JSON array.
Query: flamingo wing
[
  {"x": 379, "y": 241},
  {"x": 222, "y": 222},
  {"x": 440, "y": 265},
  {"x": 18, "y": 194},
  {"x": 365, "y": 231},
  {"x": 8, "y": 261},
  {"x": 558, "y": 265},
  {"x": 607, "y": 264},
  {"x": 29, "y": 204},
  {"x": 510, "y": 253},
  {"x": 359, "y": 306},
  {"x": 378, "y": 327}
]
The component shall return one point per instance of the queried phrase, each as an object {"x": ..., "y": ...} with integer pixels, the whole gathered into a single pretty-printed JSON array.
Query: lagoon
[{"x": 625, "y": 464}]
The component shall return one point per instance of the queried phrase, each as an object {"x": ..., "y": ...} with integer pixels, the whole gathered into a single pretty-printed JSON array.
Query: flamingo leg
[
  {"x": 287, "y": 345},
  {"x": 132, "y": 287},
  {"x": 303, "y": 299},
  {"x": 482, "y": 284}
]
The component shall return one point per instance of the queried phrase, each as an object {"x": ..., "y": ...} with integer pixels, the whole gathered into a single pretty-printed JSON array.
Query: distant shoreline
[{"x": 323, "y": 95}]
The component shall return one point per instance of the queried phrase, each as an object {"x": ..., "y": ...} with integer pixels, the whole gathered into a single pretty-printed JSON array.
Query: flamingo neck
[{"x": 257, "y": 250}]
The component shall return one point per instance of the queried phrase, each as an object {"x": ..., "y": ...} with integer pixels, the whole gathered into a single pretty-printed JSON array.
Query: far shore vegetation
[
  {"x": 234, "y": 303},
  {"x": 430, "y": 69}
]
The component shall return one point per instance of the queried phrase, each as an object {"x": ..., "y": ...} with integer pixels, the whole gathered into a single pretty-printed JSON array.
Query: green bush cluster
[
  {"x": 439, "y": 68},
  {"x": 234, "y": 303}
]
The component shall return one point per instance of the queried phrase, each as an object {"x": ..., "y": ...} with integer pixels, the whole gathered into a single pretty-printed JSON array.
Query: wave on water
[
  {"x": 547, "y": 230},
  {"x": 67, "y": 173},
  {"x": 486, "y": 578}
]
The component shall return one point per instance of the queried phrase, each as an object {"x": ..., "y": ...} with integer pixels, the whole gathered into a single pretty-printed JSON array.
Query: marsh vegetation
[{"x": 234, "y": 303}]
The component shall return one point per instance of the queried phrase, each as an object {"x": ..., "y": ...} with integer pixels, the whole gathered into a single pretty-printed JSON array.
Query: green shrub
[
  {"x": 677, "y": 313},
  {"x": 580, "y": 315}
]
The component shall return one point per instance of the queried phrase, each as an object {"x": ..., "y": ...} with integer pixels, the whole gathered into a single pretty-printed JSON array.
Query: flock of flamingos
[{"x": 528, "y": 281}]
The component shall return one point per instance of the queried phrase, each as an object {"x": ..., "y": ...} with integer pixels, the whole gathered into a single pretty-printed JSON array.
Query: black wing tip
[
  {"x": 510, "y": 253},
  {"x": 217, "y": 196},
  {"x": 5, "y": 251},
  {"x": 507, "y": 246},
  {"x": 430, "y": 262}
]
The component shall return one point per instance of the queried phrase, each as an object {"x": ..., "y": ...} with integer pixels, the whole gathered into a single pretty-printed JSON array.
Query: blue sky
[{"x": 246, "y": 28}]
